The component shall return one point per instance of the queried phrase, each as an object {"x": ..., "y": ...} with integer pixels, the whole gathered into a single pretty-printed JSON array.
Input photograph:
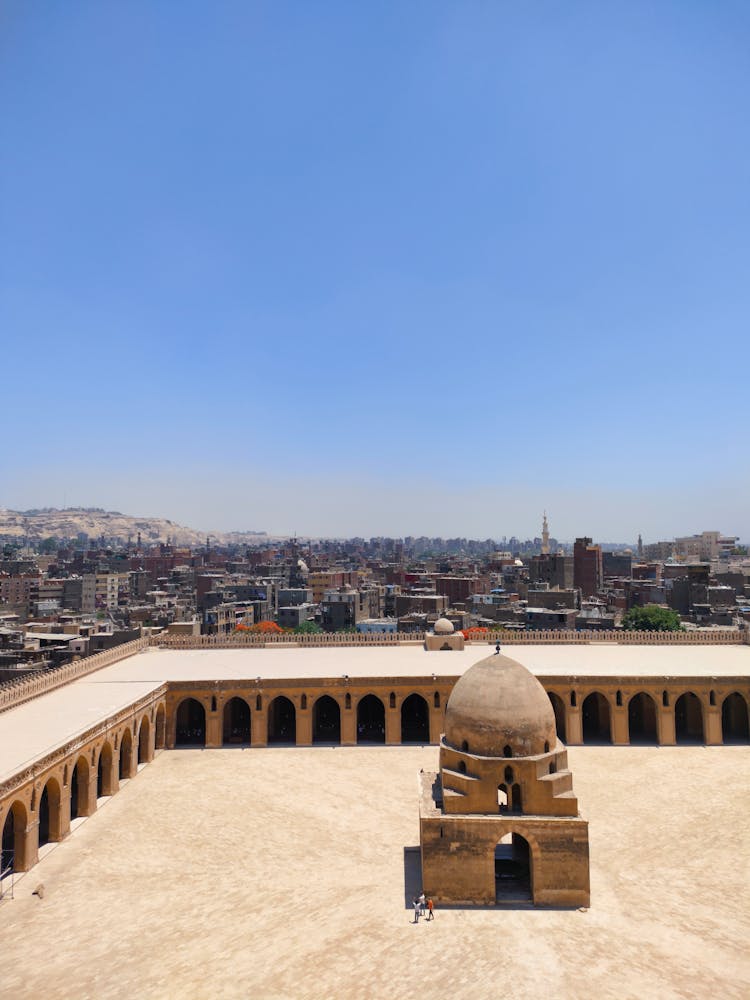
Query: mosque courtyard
[{"x": 281, "y": 873}]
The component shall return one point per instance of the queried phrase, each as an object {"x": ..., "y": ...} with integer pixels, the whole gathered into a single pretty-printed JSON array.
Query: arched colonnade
[
  {"x": 70, "y": 784},
  {"x": 347, "y": 714}
]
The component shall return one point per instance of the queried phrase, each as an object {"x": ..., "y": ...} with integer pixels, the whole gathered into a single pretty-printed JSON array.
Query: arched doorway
[
  {"x": 415, "y": 720},
  {"x": 370, "y": 720},
  {"x": 161, "y": 728},
  {"x": 144, "y": 748},
  {"x": 126, "y": 756},
  {"x": 559, "y": 709},
  {"x": 688, "y": 718},
  {"x": 190, "y": 724},
  {"x": 326, "y": 719},
  {"x": 79, "y": 789},
  {"x": 642, "y": 718},
  {"x": 44, "y": 818},
  {"x": 734, "y": 721},
  {"x": 595, "y": 715},
  {"x": 282, "y": 721},
  {"x": 104, "y": 772},
  {"x": 236, "y": 722},
  {"x": 513, "y": 869},
  {"x": 14, "y": 840}
]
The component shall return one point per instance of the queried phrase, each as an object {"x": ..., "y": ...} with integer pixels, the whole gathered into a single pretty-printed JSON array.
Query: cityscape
[{"x": 66, "y": 598}]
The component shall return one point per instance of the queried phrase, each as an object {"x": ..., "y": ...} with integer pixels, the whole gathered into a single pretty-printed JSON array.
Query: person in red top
[{"x": 430, "y": 908}]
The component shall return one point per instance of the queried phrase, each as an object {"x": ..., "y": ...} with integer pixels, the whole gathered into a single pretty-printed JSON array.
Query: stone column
[
  {"x": 90, "y": 794},
  {"x": 31, "y": 842},
  {"x": 304, "y": 725},
  {"x": 170, "y": 729},
  {"x": 436, "y": 724},
  {"x": 64, "y": 810},
  {"x": 213, "y": 726},
  {"x": 259, "y": 727},
  {"x": 712, "y": 735},
  {"x": 349, "y": 726},
  {"x": 620, "y": 732},
  {"x": 573, "y": 726},
  {"x": 665, "y": 730},
  {"x": 392, "y": 725}
]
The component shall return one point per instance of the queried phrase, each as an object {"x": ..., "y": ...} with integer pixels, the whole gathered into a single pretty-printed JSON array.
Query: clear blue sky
[{"x": 383, "y": 268}]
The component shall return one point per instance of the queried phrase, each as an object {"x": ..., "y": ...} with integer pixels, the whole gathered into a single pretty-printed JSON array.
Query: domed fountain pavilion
[{"x": 500, "y": 823}]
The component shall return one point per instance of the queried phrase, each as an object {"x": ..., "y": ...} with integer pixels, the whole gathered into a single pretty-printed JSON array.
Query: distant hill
[{"x": 49, "y": 522}]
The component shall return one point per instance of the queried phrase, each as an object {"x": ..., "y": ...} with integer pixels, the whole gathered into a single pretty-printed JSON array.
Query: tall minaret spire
[{"x": 545, "y": 535}]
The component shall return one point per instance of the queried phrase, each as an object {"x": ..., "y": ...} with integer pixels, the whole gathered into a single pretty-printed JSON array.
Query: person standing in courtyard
[
  {"x": 416, "y": 910},
  {"x": 430, "y": 907}
]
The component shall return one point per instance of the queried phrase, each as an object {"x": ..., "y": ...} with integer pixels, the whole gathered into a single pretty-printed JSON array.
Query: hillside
[{"x": 95, "y": 522}]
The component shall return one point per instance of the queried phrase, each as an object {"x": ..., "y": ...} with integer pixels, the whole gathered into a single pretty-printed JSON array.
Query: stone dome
[
  {"x": 443, "y": 627},
  {"x": 498, "y": 704}
]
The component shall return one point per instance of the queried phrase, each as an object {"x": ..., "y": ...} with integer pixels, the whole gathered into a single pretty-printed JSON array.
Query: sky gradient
[{"x": 422, "y": 268}]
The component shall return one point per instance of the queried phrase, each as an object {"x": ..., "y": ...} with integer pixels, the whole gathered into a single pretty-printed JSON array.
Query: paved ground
[{"x": 280, "y": 874}]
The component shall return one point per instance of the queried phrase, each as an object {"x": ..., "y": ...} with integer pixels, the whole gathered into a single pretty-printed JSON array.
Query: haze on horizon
[{"x": 350, "y": 270}]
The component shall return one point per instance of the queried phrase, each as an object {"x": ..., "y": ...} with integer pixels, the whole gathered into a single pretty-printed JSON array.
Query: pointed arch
[
  {"x": 370, "y": 720},
  {"x": 236, "y": 722},
  {"x": 160, "y": 740},
  {"x": 105, "y": 779},
  {"x": 144, "y": 741},
  {"x": 642, "y": 718},
  {"x": 415, "y": 720},
  {"x": 326, "y": 720},
  {"x": 282, "y": 721},
  {"x": 688, "y": 718},
  {"x": 595, "y": 714},
  {"x": 50, "y": 813},
  {"x": 13, "y": 857},
  {"x": 190, "y": 724},
  {"x": 79, "y": 789},
  {"x": 125, "y": 768},
  {"x": 558, "y": 707},
  {"x": 734, "y": 719}
]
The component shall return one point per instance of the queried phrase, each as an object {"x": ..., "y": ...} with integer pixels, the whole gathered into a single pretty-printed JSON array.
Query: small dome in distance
[{"x": 443, "y": 627}]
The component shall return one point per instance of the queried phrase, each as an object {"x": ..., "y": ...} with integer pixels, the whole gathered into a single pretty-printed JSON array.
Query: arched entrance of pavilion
[
  {"x": 282, "y": 721},
  {"x": 596, "y": 719},
  {"x": 734, "y": 719},
  {"x": 144, "y": 734},
  {"x": 104, "y": 782},
  {"x": 50, "y": 813},
  {"x": 688, "y": 719},
  {"x": 415, "y": 720},
  {"x": 370, "y": 720},
  {"x": 559, "y": 709},
  {"x": 236, "y": 723},
  {"x": 13, "y": 855},
  {"x": 326, "y": 720},
  {"x": 513, "y": 870},
  {"x": 642, "y": 718},
  {"x": 79, "y": 789},
  {"x": 190, "y": 724}
]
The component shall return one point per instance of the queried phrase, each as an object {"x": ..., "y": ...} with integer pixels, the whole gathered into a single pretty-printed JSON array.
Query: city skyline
[{"x": 348, "y": 271}]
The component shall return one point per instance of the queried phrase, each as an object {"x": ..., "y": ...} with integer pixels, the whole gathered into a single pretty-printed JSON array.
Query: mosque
[{"x": 499, "y": 820}]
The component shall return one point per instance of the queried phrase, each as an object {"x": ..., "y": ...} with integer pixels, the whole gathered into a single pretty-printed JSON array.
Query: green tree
[
  {"x": 307, "y": 628},
  {"x": 651, "y": 618}
]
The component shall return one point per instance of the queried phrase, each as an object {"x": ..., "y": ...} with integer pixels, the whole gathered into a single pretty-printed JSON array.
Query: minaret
[
  {"x": 640, "y": 547},
  {"x": 545, "y": 536}
]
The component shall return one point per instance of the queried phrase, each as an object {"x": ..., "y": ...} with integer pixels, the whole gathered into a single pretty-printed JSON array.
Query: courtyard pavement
[{"x": 280, "y": 873}]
